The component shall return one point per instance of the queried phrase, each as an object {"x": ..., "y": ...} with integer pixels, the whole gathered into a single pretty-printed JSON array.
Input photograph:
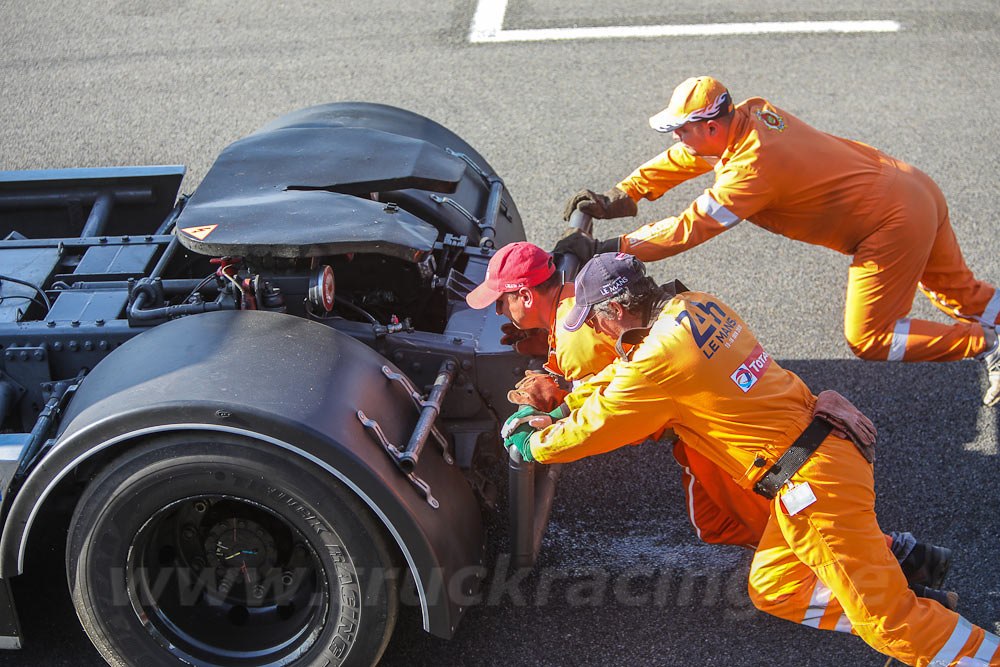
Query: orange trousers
[
  {"x": 720, "y": 511},
  {"x": 829, "y": 566},
  {"x": 915, "y": 248}
]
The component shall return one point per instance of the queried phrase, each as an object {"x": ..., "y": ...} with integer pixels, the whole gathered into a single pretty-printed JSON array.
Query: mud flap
[{"x": 10, "y": 628}]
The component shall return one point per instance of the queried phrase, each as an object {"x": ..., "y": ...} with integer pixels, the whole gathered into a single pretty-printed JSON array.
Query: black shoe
[
  {"x": 927, "y": 565},
  {"x": 948, "y": 599}
]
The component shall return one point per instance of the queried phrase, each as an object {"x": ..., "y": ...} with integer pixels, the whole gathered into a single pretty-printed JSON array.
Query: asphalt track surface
[{"x": 621, "y": 580}]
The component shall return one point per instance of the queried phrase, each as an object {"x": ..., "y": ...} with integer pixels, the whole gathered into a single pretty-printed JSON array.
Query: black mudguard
[
  {"x": 289, "y": 382},
  {"x": 346, "y": 147}
]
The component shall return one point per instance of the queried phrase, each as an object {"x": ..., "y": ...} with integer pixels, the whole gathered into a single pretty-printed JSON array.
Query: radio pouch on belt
[{"x": 793, "y": 458}]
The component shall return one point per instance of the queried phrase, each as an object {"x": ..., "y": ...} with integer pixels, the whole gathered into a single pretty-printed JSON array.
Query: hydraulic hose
[{"x": 137, "y": 312}]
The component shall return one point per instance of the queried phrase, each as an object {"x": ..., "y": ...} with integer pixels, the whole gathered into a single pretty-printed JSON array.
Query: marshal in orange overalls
[
  {"x": 720, "y": 511},
  {"x": 701, "y": 371},
  {"x": 791, "y": 179}
]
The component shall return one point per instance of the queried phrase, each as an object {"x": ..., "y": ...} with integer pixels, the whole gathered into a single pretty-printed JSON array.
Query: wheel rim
[{"x": 218, "y": 580}]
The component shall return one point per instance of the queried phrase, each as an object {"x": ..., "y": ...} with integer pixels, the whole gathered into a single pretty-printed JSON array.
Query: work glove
[
  {"x": 519, "y": 427},
  {"x": 532, "y": 342},
  {"x": 529, "y": 416},
  {"x": 519, "y": 418},
  {"x": 538, "y": 390},
  {"x": 847, "y": 421},
  {"x": 612, "y": 204},
  {"x": 575, "y": 242},
  {"x": 519, "y": 439}
]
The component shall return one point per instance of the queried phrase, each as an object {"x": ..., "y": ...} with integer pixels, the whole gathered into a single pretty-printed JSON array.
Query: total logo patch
[{"x": 752, "y": 369}]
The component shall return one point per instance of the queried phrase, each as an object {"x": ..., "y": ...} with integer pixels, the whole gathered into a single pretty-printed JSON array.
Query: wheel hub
[{"x": 220, "y": 580}]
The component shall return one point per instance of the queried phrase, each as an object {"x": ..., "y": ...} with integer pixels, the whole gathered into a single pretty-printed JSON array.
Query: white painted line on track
[{"x": 487, "y": 27}]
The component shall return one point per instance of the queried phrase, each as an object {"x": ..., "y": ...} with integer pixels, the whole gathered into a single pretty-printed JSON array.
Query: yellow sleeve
[
  {"x": 581, "y": 353},
  {"x": 668, "y": 169},
  {"x": 593, "y": 384},
  {"x": 615, "y": 411},
  {"x": 738, "y": 193}
]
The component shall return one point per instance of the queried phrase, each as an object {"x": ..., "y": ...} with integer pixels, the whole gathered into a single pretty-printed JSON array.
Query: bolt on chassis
[{"x": 264, "y": 408}]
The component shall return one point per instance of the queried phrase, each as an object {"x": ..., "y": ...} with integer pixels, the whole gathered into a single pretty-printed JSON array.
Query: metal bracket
[
  {"x": 494, "y": 205},
  {"x": 468, "y": 160},
  {"x": 455, "y": 241},
  {"x": 28, "y": 367},
  {"x": 458, "y": 207},
  {"x": 30, "y": 364},
  {"x": 480, "y": 223},
  {"x": 394, "y": 454},
  {"x": 419, "y": 401}
]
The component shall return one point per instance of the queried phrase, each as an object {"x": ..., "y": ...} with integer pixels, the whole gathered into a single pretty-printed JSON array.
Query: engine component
[{"x": 321, "y": 288}]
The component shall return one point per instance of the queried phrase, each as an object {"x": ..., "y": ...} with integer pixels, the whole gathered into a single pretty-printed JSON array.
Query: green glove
[
  {"x": 519, "y": 439},
  {"x": 523, "y": 430},
  {"x": 517, "y": 419},
  {"x": 561, "y": 412}
]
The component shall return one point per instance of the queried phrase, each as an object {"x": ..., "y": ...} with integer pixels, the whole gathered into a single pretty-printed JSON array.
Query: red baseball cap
[{"x": 512, "y": 267}]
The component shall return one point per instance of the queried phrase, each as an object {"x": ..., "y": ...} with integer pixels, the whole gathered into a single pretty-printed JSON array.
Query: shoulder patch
[{"x": 771, "y": 119}]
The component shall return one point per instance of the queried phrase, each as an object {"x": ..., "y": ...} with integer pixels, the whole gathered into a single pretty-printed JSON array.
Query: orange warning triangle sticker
[{"x": 199, "y": 232}]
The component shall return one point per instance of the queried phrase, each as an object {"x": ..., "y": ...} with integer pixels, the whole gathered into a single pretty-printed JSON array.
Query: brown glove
[
  {"x": 575, "y": 242},
  {"x": 612, "y": 204},
  {"x": 533, "y": 342},
  {"x": 539, "y": 390},
  {"x": 847, "y": 422}
]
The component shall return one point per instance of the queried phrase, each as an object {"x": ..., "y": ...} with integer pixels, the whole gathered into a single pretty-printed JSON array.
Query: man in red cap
[
  {"x": 522, "y": 281},
  {"x": 789, "y": 178}
]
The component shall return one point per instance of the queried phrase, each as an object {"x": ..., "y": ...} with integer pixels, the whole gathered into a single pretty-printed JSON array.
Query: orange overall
[
  {"x": 700, "y": 371},
  {"x": 719, "y": 511},
  {"x": 791, "y": 179},
  {"x": 576, "y": 355}
]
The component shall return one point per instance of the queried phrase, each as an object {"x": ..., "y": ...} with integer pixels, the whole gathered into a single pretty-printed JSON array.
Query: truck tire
[{"x": 211, "y": 549}]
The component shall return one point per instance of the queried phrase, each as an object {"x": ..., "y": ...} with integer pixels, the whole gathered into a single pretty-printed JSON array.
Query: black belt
[{"x": 793, "y": 458}]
